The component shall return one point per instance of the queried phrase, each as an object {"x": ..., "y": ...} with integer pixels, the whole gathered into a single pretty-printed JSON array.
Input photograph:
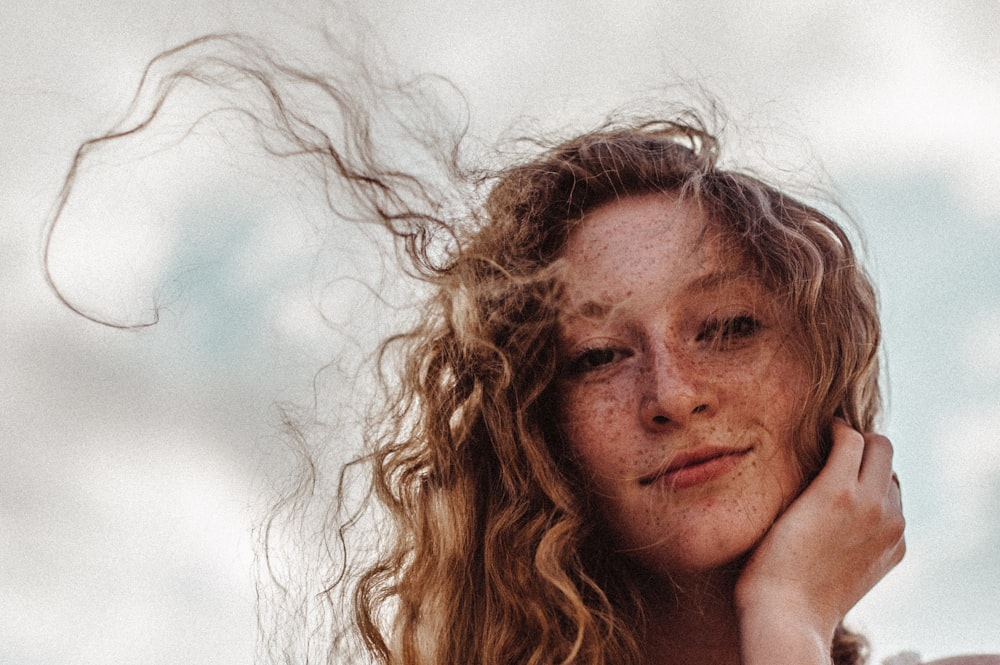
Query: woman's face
[{"x": 679, "y": 390}]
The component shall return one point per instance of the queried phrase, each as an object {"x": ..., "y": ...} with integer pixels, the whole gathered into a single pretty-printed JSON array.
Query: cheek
[
  {"x": 779, "y": 384},
  {"x": 591, "y": 421},
  {"x": 780, "y": 475},
  {"x": 783, "y": 410}
]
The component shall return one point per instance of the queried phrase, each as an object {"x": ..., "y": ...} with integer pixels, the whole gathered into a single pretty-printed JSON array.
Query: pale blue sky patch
[
  {"x": 935, "y": 267},
  {"x": 228, "y": 317},
  {"x": 934, "y": 261}
]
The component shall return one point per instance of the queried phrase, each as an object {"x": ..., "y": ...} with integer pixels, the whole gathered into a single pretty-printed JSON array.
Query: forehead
[
  {"x": 640, "y": 217},
  {"x": 624, "y": 248}
]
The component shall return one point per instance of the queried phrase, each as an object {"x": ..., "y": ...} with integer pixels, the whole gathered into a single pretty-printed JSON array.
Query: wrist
[
  {"x": 779, "y": 625},
  {"x": 786, "y": 604},
  {"x": 784, "y": 636}
]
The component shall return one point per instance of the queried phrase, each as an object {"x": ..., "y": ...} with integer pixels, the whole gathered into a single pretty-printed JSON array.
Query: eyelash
[
  {"x": 595, "y": 358},
  {"x": 728, "y": 332},
  {"x": 720, "y": 333}
]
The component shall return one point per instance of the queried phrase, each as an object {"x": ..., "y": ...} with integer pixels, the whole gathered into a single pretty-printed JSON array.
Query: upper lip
[{"x": 692, "y": 457}]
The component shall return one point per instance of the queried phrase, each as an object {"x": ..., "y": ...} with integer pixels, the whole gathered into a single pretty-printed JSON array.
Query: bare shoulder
[{"x": 981, "y": 659}]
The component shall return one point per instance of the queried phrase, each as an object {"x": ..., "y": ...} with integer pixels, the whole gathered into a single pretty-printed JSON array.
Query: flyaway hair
[{"x": 463, "y": 532}]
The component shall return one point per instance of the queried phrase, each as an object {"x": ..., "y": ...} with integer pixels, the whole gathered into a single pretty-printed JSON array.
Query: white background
[{"x": 134, "y": 465}]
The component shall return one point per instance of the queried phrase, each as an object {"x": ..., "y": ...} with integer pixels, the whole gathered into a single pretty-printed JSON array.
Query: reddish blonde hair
[
  {"x": 492, "y": 557},
  {"x": 495, "y": 560}
]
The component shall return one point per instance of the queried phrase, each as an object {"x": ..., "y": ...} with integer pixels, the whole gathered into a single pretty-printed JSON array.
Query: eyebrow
[
  {"x": 715, "y": 280},
  {"x": 593, "y": 309}
]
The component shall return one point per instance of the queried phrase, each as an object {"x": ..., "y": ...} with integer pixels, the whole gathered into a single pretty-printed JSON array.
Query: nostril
[
  {"x": 661, "y": 420},
  {"x": 699, "y": 408}
]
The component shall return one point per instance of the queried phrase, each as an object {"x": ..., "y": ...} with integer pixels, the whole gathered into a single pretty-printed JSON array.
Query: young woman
[
  {"x": 634, "y": 422},
  {"x": 641, "y": 398}
]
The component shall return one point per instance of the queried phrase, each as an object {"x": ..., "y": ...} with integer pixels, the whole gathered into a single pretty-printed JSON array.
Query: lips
[{"x": 697, "y": 466}]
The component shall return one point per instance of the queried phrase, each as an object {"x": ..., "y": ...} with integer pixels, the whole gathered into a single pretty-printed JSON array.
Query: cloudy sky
[{"x": 134, "y": 465}]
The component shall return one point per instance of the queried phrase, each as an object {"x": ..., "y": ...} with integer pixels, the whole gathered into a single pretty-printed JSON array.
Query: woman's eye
[
  {"x": 596, "y": 358},
  {"x": 730, "y": 330}
]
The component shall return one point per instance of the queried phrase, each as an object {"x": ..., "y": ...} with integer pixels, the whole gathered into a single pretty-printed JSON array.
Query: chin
[{"x": 690, "y": 561}]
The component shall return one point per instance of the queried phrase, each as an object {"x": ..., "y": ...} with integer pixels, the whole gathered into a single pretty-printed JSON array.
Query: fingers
[
  {"x": 865, "y": 457},
  {"x": 839, "y": 537},
  {"x": 881, "y": 484},
  {"x": 846, "y": 452},
  {"x": 859, "y": 470},
  {"x": 876, "y": 463},
  {"x": 895, "y": 494}
]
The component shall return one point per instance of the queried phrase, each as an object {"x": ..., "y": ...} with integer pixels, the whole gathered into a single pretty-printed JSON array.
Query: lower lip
[{"x": 696, "y": 474}]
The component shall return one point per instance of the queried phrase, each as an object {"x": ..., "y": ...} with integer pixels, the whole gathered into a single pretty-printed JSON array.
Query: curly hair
[
  {"x": 492, "y": 554},
  {"x": 495, "y": 560}
]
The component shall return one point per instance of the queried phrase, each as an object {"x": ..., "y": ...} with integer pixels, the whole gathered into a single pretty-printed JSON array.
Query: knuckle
[
  {"x": 873, "y": 513},
  {"x": 854, "y": 438},
  {"x": 898, "y": 552},
  {"x": 879, "y": 443},
  {"x": 847, "y": 435},
  {"x": 896, "y": 527},
  {"x": 844, "y": 499}
]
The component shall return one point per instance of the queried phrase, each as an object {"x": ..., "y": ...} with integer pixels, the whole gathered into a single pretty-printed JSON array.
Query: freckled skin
[{"x": 668, "y": 347}]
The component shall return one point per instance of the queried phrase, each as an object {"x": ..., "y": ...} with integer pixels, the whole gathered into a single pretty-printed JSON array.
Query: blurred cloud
[
  {"x": 135, "y": 464},
  {"x": 982, "y": 347},
  {"x": 968, "y": 455}
]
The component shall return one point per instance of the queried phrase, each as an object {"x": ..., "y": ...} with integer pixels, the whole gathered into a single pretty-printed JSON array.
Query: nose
[{"x": 674, "y": 390}]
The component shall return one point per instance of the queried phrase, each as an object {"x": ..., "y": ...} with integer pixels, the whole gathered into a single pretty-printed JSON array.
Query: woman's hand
[{"x": 828, "y": 549}]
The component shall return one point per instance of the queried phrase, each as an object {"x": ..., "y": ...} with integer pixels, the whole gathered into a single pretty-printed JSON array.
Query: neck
[{"x": 692, "y": 620}]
